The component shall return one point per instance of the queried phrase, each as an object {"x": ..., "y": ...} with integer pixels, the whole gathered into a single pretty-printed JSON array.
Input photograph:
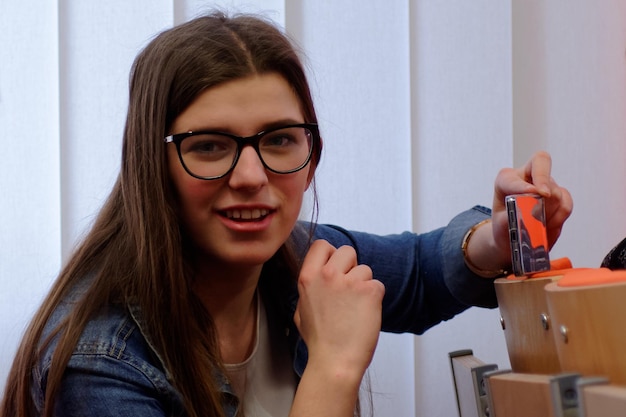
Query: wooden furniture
[
  {"x": 566, "y": 343},
  {"x": 526, "y": 321},
  {"x": 512, "y": 394},
  {"x": 599, "y": 399},
  {"x": 468, "y": 376},
  {"x": 526, "y": 324},
  {"x": 588, "y": 313}
]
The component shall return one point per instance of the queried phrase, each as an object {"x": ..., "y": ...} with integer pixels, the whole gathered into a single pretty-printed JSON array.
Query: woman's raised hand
[{"x": 339, "y": 317}]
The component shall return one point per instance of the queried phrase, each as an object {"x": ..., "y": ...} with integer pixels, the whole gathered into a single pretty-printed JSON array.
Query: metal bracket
[
  {"x": 585, "y": 382},
  {"x": 564, "y": 391},
  {"x": 468, "y": 373}
]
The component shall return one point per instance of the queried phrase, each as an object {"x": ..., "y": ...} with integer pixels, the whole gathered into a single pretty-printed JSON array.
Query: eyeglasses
[{"x": 210, "y": 155}]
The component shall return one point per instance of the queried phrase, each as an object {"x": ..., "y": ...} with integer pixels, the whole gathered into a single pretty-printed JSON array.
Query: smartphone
[{"x": 527, "y": 233}]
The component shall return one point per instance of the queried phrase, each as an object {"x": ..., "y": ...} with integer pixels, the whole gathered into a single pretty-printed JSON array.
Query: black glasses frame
[{"x": 244, "y": 141}]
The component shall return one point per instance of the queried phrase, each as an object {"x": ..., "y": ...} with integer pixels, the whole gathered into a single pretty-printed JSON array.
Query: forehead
[{"x": 242, "y": 106}]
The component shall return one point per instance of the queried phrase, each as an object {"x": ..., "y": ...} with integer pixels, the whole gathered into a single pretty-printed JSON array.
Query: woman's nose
[{"x": 249, "y": 171}]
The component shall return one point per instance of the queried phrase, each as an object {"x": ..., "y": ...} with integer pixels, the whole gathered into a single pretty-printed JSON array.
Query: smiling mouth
[{"x": 246, "y": 215}]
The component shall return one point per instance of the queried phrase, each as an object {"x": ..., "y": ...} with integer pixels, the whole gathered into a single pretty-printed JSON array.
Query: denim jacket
[{"x": 115, "y": 372}]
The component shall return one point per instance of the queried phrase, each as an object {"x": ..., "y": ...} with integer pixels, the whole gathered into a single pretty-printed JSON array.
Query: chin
[{"x": 249, "y": 257}]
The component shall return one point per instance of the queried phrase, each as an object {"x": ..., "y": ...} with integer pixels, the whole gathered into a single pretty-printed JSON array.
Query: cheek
[
  {"x": 294, "y": 190},
  {"x": 193, "y": 192},
  {"x": 190, "y": 192}
]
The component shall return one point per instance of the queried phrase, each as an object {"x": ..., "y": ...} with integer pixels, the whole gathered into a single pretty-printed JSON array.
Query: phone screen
[{"x": 527, "y": 232}]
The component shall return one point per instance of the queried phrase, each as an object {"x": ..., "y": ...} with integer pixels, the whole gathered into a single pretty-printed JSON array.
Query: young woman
[{"x": 199, "y": 293}]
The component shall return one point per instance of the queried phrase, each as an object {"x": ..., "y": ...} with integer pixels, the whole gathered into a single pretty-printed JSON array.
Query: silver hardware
[{"x": 564, "y": 332}]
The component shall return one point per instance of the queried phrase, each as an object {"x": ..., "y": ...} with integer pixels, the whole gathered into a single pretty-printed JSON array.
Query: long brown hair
[{"x": 135, "y": 247}]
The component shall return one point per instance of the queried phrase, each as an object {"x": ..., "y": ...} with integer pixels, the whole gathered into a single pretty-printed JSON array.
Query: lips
[{"x": 246, "y": 214}]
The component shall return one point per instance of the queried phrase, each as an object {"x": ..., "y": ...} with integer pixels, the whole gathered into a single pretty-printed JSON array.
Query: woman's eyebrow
[
  {"x": 263, "y": 127},
  {"x": 279, "y": 123}
]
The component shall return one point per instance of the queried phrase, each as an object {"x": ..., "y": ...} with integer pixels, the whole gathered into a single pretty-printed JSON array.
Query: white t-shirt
[{"x": 265, "y": 382}]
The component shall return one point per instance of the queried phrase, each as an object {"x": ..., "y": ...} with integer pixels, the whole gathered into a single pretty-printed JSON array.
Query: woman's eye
[
  {"x": 278, "y": 140},
  {"x": 208, "y": 146}
]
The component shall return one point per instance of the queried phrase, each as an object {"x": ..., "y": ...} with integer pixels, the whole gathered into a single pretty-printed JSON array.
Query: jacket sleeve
[{"x": 425, "y": 276}]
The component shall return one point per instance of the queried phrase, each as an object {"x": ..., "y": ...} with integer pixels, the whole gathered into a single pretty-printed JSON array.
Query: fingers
[
  {"x": 341, "y": 262},
  {"x": 537, "y": 172},
  {"x": 339, "y": 309},
  {"x": 533, "y": 177},
  {"x": 510, "y": 181},
  {"x": 319, "y": 254},
  {"x": 325, "y": 260},
  {"x": 558, "y": 209},
  {"x": 558, "y": 200}
]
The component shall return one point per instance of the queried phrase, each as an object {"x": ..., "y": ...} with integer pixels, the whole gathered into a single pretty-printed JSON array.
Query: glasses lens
[
  {"x": 208, "y": 155},
  {"x": 212, "y": 155},
  {"x": 287, "y": 149}
]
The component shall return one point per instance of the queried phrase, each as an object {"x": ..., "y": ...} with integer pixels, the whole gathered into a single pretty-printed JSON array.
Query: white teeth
[{"x": 246, "y": 214}]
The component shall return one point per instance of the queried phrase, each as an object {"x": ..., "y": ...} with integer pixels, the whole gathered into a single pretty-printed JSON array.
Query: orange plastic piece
[
  {"x": 558, "y": 266},
  {"x": 592, "y": 276}
]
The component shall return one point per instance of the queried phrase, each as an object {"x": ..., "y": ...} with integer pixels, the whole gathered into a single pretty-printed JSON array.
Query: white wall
[
  {"x": 570, "y": 98},
  {"x": 420, "y": 102},
  {"x": 360, "y": 72},
  {"x": 493, "y": 83},
  {"x": 30, "y": 227},
  {"x": 97, "y": 45},
  {"x": 461, "y": 136}
]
